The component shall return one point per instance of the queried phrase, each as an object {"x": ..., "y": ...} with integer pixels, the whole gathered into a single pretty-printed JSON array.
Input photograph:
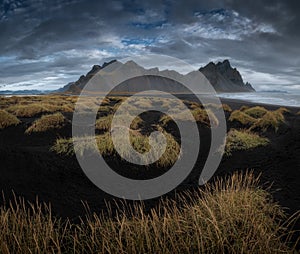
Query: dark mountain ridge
[{"x": 221, "y": 76}]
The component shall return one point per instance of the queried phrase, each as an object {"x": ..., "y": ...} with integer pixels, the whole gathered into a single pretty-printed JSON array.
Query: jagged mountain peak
[
  {"x": 224, "y": 78},
  {"x": 225, "y": 64},
  {"x": 131, "y": 63}
]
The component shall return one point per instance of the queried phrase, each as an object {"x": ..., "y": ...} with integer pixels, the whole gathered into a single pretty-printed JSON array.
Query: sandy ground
[{"x": 30, "y": 170}]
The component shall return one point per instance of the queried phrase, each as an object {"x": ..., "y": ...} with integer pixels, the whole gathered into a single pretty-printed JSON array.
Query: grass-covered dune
[
  {"x": 46, "y": 123},
  {"x": 229, "y": 215},
  {"x": 233, "y": 215},
  {"x": 259, "y": 118}
]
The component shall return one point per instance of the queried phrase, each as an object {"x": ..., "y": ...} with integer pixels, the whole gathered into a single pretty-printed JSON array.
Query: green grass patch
[
  {"x": 46, "y": 123},
  {"x": 7, "y": 119},
  {"x": 240, "y": 140}
]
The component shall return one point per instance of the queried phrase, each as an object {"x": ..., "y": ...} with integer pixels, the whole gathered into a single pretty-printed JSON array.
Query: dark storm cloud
[
  {"x": 44, "y": 39},
  {"x": 284, "y": 15}
]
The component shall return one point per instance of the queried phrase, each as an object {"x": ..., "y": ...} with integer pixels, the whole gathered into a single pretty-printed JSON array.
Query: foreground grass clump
[
  {"x": 233, "y": 215},
  {"x": 47, "y": 122},
  {"x": 7, "y": 119},
  {"x": 238, "y": 140},
  {"x": 105, "y": 146}
]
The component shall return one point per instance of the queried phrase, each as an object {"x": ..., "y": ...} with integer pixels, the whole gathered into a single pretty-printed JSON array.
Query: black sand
[{"x": 30, "y": 170}]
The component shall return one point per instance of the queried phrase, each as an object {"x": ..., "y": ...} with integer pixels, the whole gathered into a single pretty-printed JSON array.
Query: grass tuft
[
  {"x": 200, "y": 115},
  {"x": 224, "y": 107},
  {"x": 105, "y": 146},
  {"x": 271, "y": 120},
  {"x": 238, "y": 140},
  {"x": 259, "y": 118},
  {"x": 242, "y": 117},
  {"x": 47, "y": 122},
  {"x": 256, "y": 112},
  {"x": 104, "y": 122},
  {"x": 7, "y": 119}
]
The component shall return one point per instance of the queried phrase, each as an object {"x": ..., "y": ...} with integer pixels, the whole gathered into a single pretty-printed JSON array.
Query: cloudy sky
[{"x": 46, "y": 44}]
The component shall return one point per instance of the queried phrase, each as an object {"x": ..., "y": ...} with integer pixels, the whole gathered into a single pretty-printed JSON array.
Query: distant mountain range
[
  {"x": 24, "y": 92},
  {"x": 221, "y": 76}
]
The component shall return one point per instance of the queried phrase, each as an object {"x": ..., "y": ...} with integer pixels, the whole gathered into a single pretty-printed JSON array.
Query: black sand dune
[{"x": 30, "y": 170}]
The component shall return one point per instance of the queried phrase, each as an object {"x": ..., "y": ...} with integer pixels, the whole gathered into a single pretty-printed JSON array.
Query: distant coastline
[{"x": 270, "y": 98}]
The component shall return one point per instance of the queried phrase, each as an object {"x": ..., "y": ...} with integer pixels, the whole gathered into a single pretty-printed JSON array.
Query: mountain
[
  {"x": 221, "y": 76},
  {"x": 76, "y": 87},
  {"x": 224, "y": 78}
]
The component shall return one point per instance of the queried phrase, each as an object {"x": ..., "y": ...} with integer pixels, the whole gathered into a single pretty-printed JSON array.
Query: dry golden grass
[
  {"x": 106, "y": 110},
  {"x": 238, "y": 140},
  {"x": 225, "y": 107},
  {"x": 106, "y": 147},
  {"x": 52, "y": 102},
  {"x": 32, "y": 110},
  {"x": 233, "y": 215},
  {"x": 256, "y": 112},
  {"x": 46, "y": 123},
  {"x": 67, "y": 108},
  {"x": 192, "y": 105},
  {"x": 241, "y": 117},
  {"x": 144, "y": 103},
  {"x": 200, "y": 115},
  {"x": 7, "y": 119},
  {"x": 283, "y": 110},
  {"x": 259, "y": 118},
  {"x": 104, "y": 122},
  {"x": 244, "y": 107},
  {"x": 270, "y": 120}
]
